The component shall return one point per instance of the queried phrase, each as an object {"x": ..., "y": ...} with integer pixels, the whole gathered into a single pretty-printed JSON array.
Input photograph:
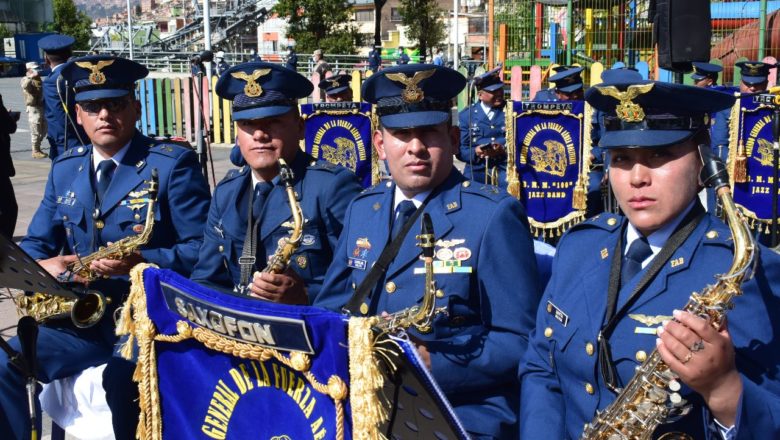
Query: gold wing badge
[
  {"x": 648, "y": 320},
  {"x": 411, "y": 94},
  {"x": 627, "y": 110},
  {"x": 252, "y": 88},
  {"x": 96, "y": 76}
]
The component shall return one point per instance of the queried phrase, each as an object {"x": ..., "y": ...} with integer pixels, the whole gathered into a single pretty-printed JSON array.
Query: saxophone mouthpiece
[
  {"x": 713, "y": 174},
  {"x": 426, "y": 235},
  {"x": 285, "y": 173},
  {"x": 153, "y": 182}
]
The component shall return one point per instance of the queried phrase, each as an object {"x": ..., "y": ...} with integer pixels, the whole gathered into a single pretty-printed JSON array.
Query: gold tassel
[
  {"x": 740, "y": 165},
  {"x": 578, "y": 201},
  {"x": 366, "y": 381}
]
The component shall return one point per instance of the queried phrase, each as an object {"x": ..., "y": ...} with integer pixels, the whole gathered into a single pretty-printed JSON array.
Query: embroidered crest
[
  {"x": 96, "y": 76},
  {"x": 627, "y": 110},
  {"x": 252, "y": 88},
  {"x": 412, "y": 94}
]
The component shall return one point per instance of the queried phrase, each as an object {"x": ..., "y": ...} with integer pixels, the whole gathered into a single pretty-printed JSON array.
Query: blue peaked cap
[
  {"x": 621, "y": 75},
  {"x": 653, "y": 114},
  {"x": 102, "y": 76},
  {"x": 490, "y": 81},
  {"x": 56, "y": 42},
  {"x": 262, "y": 90},
  {"x": 335, "y": 84},
  {"x": 754, "y": 72},
  {"x": 568, "y": 80},
  {"x": 413, "y": 95},
  {"x": 705, "y": 70}
]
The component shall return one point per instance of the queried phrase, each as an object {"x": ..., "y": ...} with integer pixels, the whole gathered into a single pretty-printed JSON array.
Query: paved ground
[{"x": 29, "y": 184}]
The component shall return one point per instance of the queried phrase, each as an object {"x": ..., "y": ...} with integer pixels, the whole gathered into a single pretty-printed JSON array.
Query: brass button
[
  {"x": 612, "y": 221},
  {"x": 641, "y": 356},
  {"x": 589, "y": 388},
  {"x": 712, "y": 234},
  {"x": 364, "y": 309},
  {"x": 65, "y": 217},
  {"x": 99, "y": 224},
  {"x": 353, "y": 285},
  {"x": 589, "y": 349},
  {"x": 439, "y": 293},
  {"x": 549, "y": 308},
  {"x": 548, "y": 332},
  {"x": 390, "y": 287},
  {"x": 466, "y": 184},
  {"x": 137, "y": 217},
  {"x": 221, "y": 248}
]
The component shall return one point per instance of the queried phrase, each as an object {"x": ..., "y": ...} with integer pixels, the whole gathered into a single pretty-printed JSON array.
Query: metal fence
[{"x": 609, "y": 31}]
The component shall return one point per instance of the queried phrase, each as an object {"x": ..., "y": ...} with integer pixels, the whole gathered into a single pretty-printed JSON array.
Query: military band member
[
  {"x": 755, "y": 76},
  {"x": 483, "y": 132},
  {"x": 485, "y": 259},
  {"x": 64, "y": 132},
  {"x": 337, "y": 88},
  {"x": 265, "y": 108},
  {"x": 548, "y": 94},
  {"x": 667, "y": 247},
  {"x": 96, "y": 195},
  {"x": 568, "y": 84},
  {"x": 705, "y": 74}
]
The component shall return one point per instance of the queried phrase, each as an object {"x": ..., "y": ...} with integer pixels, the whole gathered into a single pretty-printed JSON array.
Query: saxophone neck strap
[
  {"x": 379, "y": 269},
  {"x": 684, "y": 230},
  {"x": 248, "y": 260}
]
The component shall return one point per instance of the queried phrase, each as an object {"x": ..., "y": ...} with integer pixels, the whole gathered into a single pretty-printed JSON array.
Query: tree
[
  {"x": 5, "y": 32},
  {"x": 69, "y": 21},
  {"x": 424, "y": 24},
  {"x": 320, "y": 24}
]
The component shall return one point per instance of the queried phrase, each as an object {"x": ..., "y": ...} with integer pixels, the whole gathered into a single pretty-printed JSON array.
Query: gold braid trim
[
  {"x": 366, "y": 381},
  {"x": 579, "y": 198},
  {"x": 512, "y": 179},
  {"x": 556, "y": 228},
  {"x": 375, "y": 174},
  {"x": 737, "y": 160}
]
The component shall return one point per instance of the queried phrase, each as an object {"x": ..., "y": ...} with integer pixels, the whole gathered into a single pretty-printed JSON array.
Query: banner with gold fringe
[
  {"x": 217, "y": 366},
  {"x": 750, "y": 160},
  {"x": 341, "y": 133},
  {"x": 548, "y": 146}
]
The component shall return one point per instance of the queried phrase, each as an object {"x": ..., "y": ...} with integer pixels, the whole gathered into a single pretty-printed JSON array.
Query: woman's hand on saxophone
[
  {"x": 703, "y": 357},
  {"x": 109, "y": 268},
  {"x": 284, "y": 288},
  {"x": 58, "y": 266}
]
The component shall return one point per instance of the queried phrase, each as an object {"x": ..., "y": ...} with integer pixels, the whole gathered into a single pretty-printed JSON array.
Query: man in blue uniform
[
  {"x": 548, "y": 94},
  {"x": 337, "y": 88},
  {"x": 484, "y": 259},
  {"x": 375, "y": 59},
  {"x": 63, "y": 131},
  {"x": 265, "y": 108},
  {"x": 403, "y": 58},
  {"x": 705, "y": 74},
  {"x": 616, "y": 279},
  {"x": 483, "y": 132},
  {"x": 755, "y": 76},
  {"x": 568, "y": 84},
  {"x": 96, "y": 195}
]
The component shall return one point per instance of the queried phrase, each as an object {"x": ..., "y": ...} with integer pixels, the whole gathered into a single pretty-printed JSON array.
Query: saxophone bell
[{"x": 89, "y": 309}]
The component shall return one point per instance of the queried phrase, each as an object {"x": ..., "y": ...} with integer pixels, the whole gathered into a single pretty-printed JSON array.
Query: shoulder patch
[{"x": 167, "y": 149}]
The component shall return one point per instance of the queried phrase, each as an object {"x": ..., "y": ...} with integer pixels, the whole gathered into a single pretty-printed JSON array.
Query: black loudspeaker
[{"x": 683, "y": 32}]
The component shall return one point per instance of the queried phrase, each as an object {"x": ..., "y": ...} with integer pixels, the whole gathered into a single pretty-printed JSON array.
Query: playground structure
[{"x": 585, "y": 32}]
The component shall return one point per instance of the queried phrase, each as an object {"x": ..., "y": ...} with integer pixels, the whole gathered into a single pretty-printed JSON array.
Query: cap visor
[
  {"x": 411, "y": 120},
  {"x": 570, "y": 88},
  {"x": 493, "y": 87},
  {"x": 697, "y": 77},
  {"x": 336, "y": 90},
  {"x": 643, "y": 138},
  {"x": 754, "y": 79},
  {"x": 260, "y": 112},
  {"x": 91, "y": 95}
]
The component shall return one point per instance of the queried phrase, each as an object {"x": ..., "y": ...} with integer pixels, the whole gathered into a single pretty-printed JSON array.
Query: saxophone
[
  {"x": 279, "y": 261},
  {"x": 418, "y": 317},
  {"x": 88, "y": 309},
  {"x": 651, "y": 397}
]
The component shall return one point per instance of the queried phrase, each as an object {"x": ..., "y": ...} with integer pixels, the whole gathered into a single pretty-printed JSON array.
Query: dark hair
[{"x": 59, "y": 57}]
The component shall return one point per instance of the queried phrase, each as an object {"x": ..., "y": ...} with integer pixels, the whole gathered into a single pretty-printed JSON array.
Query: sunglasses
[{"x": 111, "y": 105}]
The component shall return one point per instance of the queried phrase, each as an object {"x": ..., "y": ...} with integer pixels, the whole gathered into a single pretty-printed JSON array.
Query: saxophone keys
[
  {"x": 674, "y": 385},
  {"x": 675, "y": 398}
]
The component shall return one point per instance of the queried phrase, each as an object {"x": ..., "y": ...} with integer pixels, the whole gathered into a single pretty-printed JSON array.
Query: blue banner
[
  {"x": 751, "y": 159},
  {"x": 340, "y": 133},
  {"x": 222, "y": 366},
  {"x": 549, "y": 161}
]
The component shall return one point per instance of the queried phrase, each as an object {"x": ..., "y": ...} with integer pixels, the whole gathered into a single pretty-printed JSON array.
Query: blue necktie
[
  {"x": 105, "y": 171},
  {"x": 262, "y": 189},
  {"x": 632, "y": 261},
  {"x": 405, "y": 210}
]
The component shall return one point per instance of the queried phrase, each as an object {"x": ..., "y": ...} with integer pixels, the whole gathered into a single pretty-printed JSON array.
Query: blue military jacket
[
  {"x": 324, "y": 191},
  {"x": 60, "y": 136},
  {"x": 487, "y": 270},
  {"x": 562, "y": 385},
  {"x": 719, "y": 130},
  {"x": 64, "y": 221},
  {"x": 476, "y": 129}
]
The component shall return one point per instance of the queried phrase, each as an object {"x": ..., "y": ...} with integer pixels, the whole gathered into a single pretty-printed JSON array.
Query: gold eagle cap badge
[
  {"x": 252, "y": 88},
  {"x": 412, "y": 94},
  {"x": 754, "y": 68},
  {"x": 627, "y": 110},
  {"x": 96, "y": 76}
]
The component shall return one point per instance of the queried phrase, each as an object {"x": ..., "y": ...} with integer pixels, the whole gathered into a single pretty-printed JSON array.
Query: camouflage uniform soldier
[{"x": 33, "y": 98}]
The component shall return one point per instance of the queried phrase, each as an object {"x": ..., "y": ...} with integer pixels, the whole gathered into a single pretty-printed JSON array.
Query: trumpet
[{"x": 88, "y": 309}]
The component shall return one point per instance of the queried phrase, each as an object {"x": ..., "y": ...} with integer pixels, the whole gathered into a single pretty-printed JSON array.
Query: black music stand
[
  {"x": 19, "y": 271},
  {"x": 419, "y": 409}
]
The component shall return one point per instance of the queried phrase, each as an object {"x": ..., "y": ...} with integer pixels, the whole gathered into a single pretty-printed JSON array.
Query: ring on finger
[
  {"x": 687, "y": 358},
  {"x": 697, "y": 346}
]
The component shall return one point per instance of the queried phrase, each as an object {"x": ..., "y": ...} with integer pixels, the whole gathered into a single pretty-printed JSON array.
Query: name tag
[
  {"x": 357, "y": 263},
  {"x": 557, "y": 313}
]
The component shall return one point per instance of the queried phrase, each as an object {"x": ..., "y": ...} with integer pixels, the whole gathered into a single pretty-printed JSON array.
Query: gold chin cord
[
  {"x": 418, "y": 317},
  {"x": 652, "y": 396},
  {"x": 88, "y": 309},
  {"x": 279, "y": 261}
]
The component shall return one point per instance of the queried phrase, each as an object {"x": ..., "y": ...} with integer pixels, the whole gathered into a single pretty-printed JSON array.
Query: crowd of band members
[{"x": 513, "y": 358}]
